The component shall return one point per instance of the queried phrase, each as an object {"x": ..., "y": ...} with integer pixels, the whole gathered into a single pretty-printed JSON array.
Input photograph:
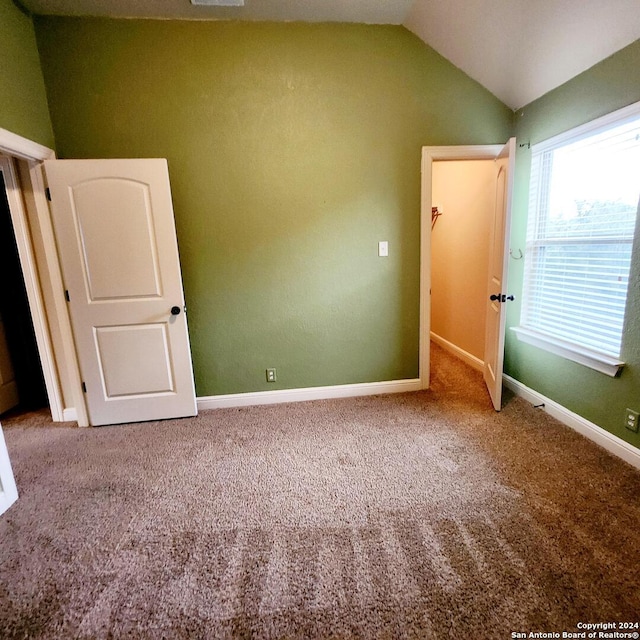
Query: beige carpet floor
[{"x": 422, "y": 515}]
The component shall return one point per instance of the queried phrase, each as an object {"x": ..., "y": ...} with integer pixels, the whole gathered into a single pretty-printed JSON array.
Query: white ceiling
[
  {"x": 518, "y": 49},
  {"x": 521, "y": 49}
]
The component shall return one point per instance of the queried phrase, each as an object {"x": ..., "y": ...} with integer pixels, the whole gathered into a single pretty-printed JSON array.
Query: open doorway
[
  {"x": 464, "y": 193},
  {"x": 503, "y": 159},
  {"x": 21, "y": 377},
  {"x": 31, "y": 233}
]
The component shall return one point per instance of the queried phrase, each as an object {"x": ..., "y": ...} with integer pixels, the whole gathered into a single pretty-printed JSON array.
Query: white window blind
[{"x": 582, "y": 217}]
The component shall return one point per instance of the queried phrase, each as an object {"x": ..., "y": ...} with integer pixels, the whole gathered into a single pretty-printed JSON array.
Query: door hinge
[
  {"x": 47, "y": 192},
  {"x": 66, "y": 295},
  {"x": 84, "y": 388}
]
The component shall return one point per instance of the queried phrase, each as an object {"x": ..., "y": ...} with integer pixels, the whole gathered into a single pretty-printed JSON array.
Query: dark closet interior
[{"x": 15, "y": 313}]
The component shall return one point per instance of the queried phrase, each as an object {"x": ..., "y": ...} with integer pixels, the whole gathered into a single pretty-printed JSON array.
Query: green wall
[
  {"x": 23, "y": 102},
  {"x": 293, "y": 149},
  {"x": 610, "y": 85}
]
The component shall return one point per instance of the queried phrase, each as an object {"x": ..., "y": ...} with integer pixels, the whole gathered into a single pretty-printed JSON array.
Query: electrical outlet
[
  {"x": 631, "y": 420},
  {"x": 271, "y": 375}
]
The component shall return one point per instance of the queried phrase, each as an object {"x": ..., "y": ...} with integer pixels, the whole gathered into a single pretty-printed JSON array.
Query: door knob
[
  {"x": 501, "y": 297},
  {"x": 175, "y": 311}
]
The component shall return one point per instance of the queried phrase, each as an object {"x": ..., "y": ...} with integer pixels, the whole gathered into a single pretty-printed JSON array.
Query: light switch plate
[{"x": 383, "y": 249}]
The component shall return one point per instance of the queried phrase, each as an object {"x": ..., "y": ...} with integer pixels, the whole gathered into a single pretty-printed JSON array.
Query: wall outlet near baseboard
[
  {"x": 631, "y": 420},
  {"x": 271, "y": 375}
]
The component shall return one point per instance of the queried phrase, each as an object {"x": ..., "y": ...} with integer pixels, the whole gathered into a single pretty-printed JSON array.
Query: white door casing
[
  {"x": 115, "y": 231},
  {"x": 42, "y": 276},
  {"x": 497, "y": 277},
  {"x": 8, "y": 490}
]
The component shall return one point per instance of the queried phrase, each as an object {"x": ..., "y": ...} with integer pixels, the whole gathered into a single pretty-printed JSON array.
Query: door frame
[
  {"x": 429, "y": 156},
  {"x": 45, "y": 294}
]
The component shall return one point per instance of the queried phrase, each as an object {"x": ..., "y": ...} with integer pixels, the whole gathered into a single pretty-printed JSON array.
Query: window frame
[{"x": 577, "y": 353}]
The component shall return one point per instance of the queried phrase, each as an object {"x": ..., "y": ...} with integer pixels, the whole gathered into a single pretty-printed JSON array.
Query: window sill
[{"x": 592, "y": 359}]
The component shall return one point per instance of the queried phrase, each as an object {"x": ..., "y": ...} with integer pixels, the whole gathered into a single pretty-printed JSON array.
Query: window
[{"x": 583, "y": 206}]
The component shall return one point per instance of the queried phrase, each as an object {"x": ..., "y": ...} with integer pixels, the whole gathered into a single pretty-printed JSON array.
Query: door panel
[
  {"x": 497, "y": 276},
  {"x": 114, "y": 225},
  {"x": 119, "y": 249},
  {"x": 122, "y": 350}
]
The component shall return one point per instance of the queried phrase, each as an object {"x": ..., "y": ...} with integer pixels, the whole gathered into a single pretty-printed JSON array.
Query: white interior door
[
  {"x": 8, "y": 491},
  {"x": 497, "y": 296},
  {"x": 115, "y": 230},
  {"x": 8, "y": 388}
]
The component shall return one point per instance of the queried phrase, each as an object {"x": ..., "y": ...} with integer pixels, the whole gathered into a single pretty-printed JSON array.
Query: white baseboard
[
  {"x": 600, "y": 436},
  {"x": 311, "y": 393},
  {"x": 465, "y": 356},
  {"x": 69, "y": 415}
]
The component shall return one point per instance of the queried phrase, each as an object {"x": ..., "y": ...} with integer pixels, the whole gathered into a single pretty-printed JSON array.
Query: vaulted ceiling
[
  {"x": 518, "y": 49},
  {"x": 521, "y": 49}
]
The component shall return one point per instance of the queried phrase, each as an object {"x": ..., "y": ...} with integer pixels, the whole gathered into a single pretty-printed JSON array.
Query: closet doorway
[
  {"x": 455, "y": 267},
  {"x": 464, "y": 195},
  {"x": 22, "y": 386}
]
